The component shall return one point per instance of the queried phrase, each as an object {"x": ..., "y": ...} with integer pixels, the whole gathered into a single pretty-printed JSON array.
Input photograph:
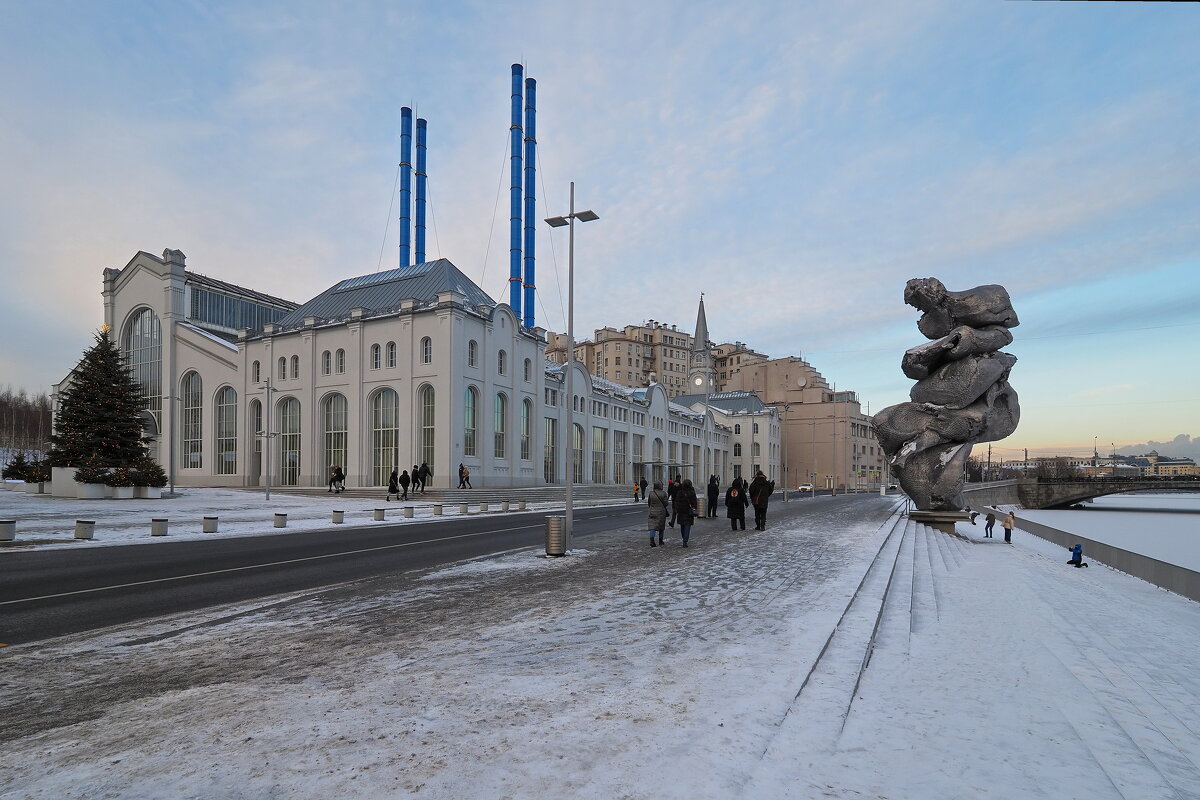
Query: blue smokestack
[
  {"x": 405, "y": 181},
  {"x": 530, "y": 195},
  {"x": 420, "y": 243},
  {"x": 514, "y": 221}
]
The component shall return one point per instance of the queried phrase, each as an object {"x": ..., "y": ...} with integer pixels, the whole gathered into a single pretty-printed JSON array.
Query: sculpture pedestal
[{"x": 940, "y": 520}]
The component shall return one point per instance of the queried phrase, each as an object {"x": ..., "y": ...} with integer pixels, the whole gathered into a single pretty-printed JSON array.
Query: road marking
[{"x": 259, "y": 566}]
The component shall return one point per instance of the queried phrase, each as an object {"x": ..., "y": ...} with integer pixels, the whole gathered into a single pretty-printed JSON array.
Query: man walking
[
  {"x": 714, "y": 488},
  {"x": 760, "y": 491}
]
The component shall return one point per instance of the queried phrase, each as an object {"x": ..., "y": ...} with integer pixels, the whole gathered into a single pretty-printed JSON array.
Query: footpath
[{"x": 844, "y": 652}]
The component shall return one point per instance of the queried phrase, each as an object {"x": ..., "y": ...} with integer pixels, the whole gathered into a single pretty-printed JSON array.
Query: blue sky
[{"x": 798, "y": 162}]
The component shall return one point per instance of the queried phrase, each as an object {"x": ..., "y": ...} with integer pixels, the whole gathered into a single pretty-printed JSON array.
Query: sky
[{"x": 797, "y": 162}]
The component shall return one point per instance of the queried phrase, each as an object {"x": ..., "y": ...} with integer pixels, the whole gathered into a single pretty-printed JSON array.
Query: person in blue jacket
[{"x": 1077, "y": 556}]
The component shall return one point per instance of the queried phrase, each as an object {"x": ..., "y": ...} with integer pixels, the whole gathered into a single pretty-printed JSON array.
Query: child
[{"x": 1077, "y": 556}]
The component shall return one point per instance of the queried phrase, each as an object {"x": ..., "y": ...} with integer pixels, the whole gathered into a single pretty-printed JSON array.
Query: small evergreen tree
[
  {"x": 16, "y": 469},
  {"x": 99, "y": 415}
]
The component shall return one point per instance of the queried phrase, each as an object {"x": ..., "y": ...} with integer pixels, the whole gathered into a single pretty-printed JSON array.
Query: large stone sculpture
[{"x": 962, "y": 394}]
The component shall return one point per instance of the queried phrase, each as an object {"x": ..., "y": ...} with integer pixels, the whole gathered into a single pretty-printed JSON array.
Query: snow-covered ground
[
  {"x": 48, "y": 522},
  {"x": 626, "y": 671},
  {"x": 1154, "y": 525}
]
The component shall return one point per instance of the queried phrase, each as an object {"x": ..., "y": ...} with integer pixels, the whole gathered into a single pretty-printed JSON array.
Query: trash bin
[
  {"x": 8, "y": 530},
  {"x": 339, "y": 517},
  {"x": 158, "y": 526},
  {"x": 280, "y": 520},
  {"x": 210, "y": 525},
  {"x": 379, "y": 512},
  {"x": 556, "y": 535},
  {"x": 701, "y": 507},
  {"x": 85, "y": 528}
]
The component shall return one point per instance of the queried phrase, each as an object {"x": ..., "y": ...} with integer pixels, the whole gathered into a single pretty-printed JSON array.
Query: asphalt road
[{"x": 51, "y": 593}]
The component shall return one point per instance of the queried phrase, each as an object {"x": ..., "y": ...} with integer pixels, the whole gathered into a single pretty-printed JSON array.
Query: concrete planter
[
  {"x": 35, "y": 488},
  {"x": 408, "y": 512},
  {"x": 90, "y": 491},
  {"x": 8, "y": 530},
  {"x": 158, "y": 527},
  {"x": 123, "y": 492},
  {"x": 280, "y": 520},
  {"x": 210, "y": 525},
  {"x": 149, "y": 492},
  {"x": 85, "y": 528}
]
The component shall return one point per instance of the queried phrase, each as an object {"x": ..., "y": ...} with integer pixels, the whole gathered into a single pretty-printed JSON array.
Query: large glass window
[
  {"x": 659, "y": 467},
  {"x": 619, "y": 474},
  {"x": 289, "y": 442},
  {"x": 334, "y": 419},
  {"x": 426, "y": 398},
  {"x": 385, "y": 435},
  {"x": 639, "y": 468},
  {"x": 737, "y": 448},
  {"x": 550, "y": 450},
  {"x": 191, "y": 389},
  {"x": 470, "y": 421},
  {"x": 256, "y": 428},
  {"x": 599, "y": 455},
  {"x": 226, "y": 431},
  {"x": 501, "y": 408},
  {"x": 526, "y": 425},
  {"x": 233, "y": 313},
  {"x": 142, "y": 346},
  {"x": 577, "y": 455}
]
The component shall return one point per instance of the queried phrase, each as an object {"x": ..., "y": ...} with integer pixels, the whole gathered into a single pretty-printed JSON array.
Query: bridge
[{"x": 1062, "y": 492}]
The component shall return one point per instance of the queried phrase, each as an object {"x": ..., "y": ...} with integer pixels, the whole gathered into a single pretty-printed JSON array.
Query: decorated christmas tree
[{"x": 98, "y": 422}]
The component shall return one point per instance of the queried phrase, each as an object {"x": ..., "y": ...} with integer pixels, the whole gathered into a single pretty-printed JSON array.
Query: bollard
[
  {"x": 462, "y": 508},
  {"x": 556, "y": 535},
  {"x": 702, "y": 507},
  {"x": 504, "y": 505},
  {"x": 521, "y": 505},
  {"x": 210, "y": 525},
  {"x": 85, "y": 528},
  {"x": 437, "y": 509},
  {"x": 280, "y": 520},
  {"x": 158, "y": 527},
  {"x": 483, "y": 507},
  {"x": 408, "y": 512},
  {"x": 379, "y": 512},
  {"x": 8, "y": 530},
  {"x": 339, "y": 517}
]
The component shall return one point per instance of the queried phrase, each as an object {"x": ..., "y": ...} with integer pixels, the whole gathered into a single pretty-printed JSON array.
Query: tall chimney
[
  {"x": 530, "y": 197},
  {"x": 420, "y": 242},
  {"x": 514, "y": 195},
  {"x": 405, "y": 181}
]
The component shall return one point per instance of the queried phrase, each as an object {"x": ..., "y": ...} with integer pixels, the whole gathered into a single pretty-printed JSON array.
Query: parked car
[
  {"x": 805, "y": 487},
  {"x": 892, "y": 487}
]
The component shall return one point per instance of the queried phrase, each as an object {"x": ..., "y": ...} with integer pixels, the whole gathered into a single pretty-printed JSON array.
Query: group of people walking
[
  {"x": 398, "y": 483},
  {"x": 1008, "y": 524},
  {"x": 679, "y": 503}
]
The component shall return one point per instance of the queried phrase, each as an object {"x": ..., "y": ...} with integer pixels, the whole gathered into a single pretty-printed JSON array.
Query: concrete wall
[
  {"x": 1172, "y": 577},
  {"x": 996, "y": 493}
]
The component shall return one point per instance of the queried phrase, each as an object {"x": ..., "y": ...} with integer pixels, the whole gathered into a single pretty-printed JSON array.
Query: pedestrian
[
  {"x": 416, "y": 477},
  {"x": 467, "y": 478},
  {"x": 332, "y": 476},
  {"x": 462, "y": 480},
  {"x": 426, "y": 474},
  {"x": 672, "y": 489},
  {"x": 760, "y": 490},
  {"x": 686, "y": 508},
  {"x": 657, "y": 520},
  {"x": 1009, "y": 522},
  {"x": 339, "y": 480},
  {"x": 1076, "y": 559},
  {"x": 636, "y": 489},
  {"x": 714, "y": 488},
  {"x": 393, "y": 486},
  {"x": 971, "y": 514},
  {"x": 735, "y": 504},
  {"x": 405, "y": 480},
  {"x": 643, "y": 486},
  {"x": 989, "y": 522}
]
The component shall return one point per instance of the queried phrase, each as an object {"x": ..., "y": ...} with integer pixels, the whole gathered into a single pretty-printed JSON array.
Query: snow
[
  {"x": 1155, "y": 525},
  {"x": 632, "y": 672}
]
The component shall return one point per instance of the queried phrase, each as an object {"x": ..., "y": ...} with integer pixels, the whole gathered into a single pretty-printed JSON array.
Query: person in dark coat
[
  {"x": 643, "y": 485},
  {"x": 333, "y": 476},
  {"x": 393, "y": 486},
  {"x": 426, "y": 474},
  {"x": 686, "y": 508},
  {"x": 657, "y": 521},
  {"x": 415, "y": 477},
  {"x": 760, "y": 490},
  {"x": 714, "y": 488},
  {"x": 405, "y": 480},
  {"x": 672, "y": 488},
  {"x": 989, "y": 523},
  {"x": 339, "y": 480},
  {"x": 735, "y": 504}
]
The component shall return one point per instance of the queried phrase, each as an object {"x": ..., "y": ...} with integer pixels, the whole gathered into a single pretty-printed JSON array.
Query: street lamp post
[
  {"x": 171, "y": 398},
  {"x": 783, "y": 434},
  {"x": 558, "y": 222},
  {"x": 267, "y": 435}
]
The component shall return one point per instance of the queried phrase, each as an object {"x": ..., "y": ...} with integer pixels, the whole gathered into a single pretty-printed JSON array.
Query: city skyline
[{"x": 798, "y": 151}]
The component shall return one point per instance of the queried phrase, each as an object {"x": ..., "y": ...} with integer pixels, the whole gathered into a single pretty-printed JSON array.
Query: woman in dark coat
[
  {"x": 736, "y": 502},
  {"x": 686, "y": 508},
  {"x": 657, "y": 522},
  {"x": 714, "y": 488},
  {"x": 404, "y": 482},
  {"x": 760, "y": 489},
  {"x": 393, "y": 486}
]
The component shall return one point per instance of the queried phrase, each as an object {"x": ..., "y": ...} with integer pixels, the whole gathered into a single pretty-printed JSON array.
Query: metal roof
[
  {"x": 731, "y": 402},
  {"x": 196, "y": 279},
  {"x": 383, "y": 291}
]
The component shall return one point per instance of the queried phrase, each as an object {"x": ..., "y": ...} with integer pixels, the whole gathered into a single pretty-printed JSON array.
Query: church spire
[{"x": 701, "y": 373}]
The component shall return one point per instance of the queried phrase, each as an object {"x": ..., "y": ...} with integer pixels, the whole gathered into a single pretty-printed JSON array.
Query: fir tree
[{"x": 99, "y": 415}]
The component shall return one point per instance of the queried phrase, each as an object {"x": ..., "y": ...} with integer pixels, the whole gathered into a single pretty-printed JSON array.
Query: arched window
[
  {"x": 526, "y": 428},
  {"x": 427, "y": 350},
  {"x": 501, "y": 413},
  {"x": 282, "y": 368},
  {"x": 334, "y": 419},
  {"x": 385, "y": 435},
  {"x": 256, "y": 430},
  {"x": 295, "y": 366},
  {"x": 289, "y": 442},
  {"x": 191, "y": 388},
  {"x": 528, "y": 370},
  {"x": 340, "y": 361},
  {"x": 255, "y": 373},
  {"x": 550, "y": 449},
  {"x": 501, "y": 362},
  {"x": 425, "y": 401},
  {"x": 391, "y": 355},
  {"x": 755, "y": 449},
  {"x": 226, "y": 431},
  {"x": 756, "y": 430},
  {"x": 470, "y": 421},
  {"x": 472, "y": 353},
  {"x": 737, "y": 429},
  {"x": 737, "y": 448},
  {"x": 142, "y": 346},
  {"x": 376, "y": 357},
  {"x": 577, "y": 455},
  {"x": 326, "y": 363}
]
